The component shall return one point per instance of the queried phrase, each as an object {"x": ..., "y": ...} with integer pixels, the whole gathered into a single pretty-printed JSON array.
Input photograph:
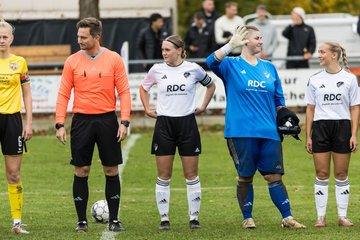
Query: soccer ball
[{"x": 100, "y": 211}]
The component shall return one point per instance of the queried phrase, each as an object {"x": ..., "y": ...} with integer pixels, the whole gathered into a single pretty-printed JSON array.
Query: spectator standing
[
  {"x": 225, "y": 26},
  {"x": 198, "y": 38},
  {"x": 208, "y": 9},
  {"x": 148, "y": 44},
  {"x": 358, "y": 26},
  {"x": 268, "y": 31},
  {"x": 302, "y": 41}
]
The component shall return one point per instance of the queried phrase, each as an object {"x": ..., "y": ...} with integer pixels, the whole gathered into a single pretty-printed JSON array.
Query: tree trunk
[{"x": 89, "y": 8}]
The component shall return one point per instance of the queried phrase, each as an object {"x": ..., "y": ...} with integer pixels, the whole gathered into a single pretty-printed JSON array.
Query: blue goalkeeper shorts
[{"x": 251, "y": 154}]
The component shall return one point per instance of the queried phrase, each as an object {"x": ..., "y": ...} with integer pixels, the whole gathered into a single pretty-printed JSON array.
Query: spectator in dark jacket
[
  {"x": 199, "y": 39},
  {"x": 210, "y": 13},
  {"x": 358, "y": 26},
  {"x": 148, "y": 44},
  {"x": 208, "y": 9},
  {"x": 302, "y": 41}
]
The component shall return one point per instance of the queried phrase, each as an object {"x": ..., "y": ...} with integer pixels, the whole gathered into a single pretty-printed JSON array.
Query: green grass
[{"x": 50, "y": 214}]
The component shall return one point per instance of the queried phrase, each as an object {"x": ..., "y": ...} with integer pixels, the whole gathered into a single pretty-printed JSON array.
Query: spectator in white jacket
[{"x": 225, "y": 25}]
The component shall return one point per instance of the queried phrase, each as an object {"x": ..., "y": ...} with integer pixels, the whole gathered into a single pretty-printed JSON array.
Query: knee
[
  {"x": 111, "y": 171},
  {"x": 322, "y": 175},
  {"x": 341, "y": 176},
  {"x": 82, "y": 171},
  {"x": 165, "y": 174},
  {"x": 13, "y": 177},
  {"x": 272, "y": 178},
  {"x": 190, "y": 176},
  {"x": 245, "y": 179}
]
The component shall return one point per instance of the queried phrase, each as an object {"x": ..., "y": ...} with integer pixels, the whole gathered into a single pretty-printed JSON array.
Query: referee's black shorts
[
  {"x": 172, "y": 132},
  {"x": 11, "y": 134},
  {"x": 331, "y": 136},
  {"x": 88, "y": 129}
]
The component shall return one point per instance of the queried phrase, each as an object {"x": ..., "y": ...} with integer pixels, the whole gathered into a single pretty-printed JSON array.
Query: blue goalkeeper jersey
[{"x": 252, "y": 95}]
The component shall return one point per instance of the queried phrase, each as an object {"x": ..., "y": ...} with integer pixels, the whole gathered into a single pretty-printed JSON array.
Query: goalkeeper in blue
[{"x": 254, "y": 95}]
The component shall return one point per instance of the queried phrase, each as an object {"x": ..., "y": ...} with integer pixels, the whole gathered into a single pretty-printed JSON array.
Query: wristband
[{"x": 226, "y": 49}]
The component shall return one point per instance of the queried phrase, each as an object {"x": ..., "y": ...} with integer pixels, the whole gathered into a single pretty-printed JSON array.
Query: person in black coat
[
  {"x": 199, "y": 38},
  {"x": 302, "y": 40},
  {"x": 148, "y": 44}
]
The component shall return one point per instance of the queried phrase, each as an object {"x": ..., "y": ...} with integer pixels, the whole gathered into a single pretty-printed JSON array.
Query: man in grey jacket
[{"x": 267, "y": 30}]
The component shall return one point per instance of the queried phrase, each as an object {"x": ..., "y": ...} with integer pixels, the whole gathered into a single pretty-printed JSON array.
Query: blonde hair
[
  {"x": 177, "y": 41},
  {"x": 340, "y": 51},
  {"x": 250, "y": 27},
  {"x": 5, "y": 24}
]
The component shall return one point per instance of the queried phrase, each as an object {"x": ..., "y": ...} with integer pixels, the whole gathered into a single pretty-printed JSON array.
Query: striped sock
[
  {"x": 321, "y": 193},
  {"x": 162, "y": 191},
  {"x": 194, "y": 197},
  {"x": 342, "y": 192}
]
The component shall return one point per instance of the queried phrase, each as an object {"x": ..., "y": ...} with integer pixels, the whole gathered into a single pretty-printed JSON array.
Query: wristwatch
[
  {"x": 59, "y": 125},
  {"x": 125, "y": 123}
]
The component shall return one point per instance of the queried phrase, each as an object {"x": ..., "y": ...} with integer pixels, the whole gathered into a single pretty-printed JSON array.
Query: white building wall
[
  {"x": 44, "y": 9},
  {"x": 69, "y": 9}
]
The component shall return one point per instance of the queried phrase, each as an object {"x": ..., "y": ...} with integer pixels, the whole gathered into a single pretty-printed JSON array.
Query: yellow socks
[{"x": 16, "y": 199}]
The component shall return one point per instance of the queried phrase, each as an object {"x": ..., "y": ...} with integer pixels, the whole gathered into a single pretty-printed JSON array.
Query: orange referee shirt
[{"x": 94, "y": 81}]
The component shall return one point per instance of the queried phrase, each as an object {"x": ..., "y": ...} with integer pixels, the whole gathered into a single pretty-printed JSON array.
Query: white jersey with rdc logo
[
  {"x": 176, "y": 87},
  {"x": 332, "y": 94}
]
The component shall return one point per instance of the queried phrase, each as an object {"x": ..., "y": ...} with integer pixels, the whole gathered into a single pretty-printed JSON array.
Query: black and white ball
[{"x": 100, "y": 211}]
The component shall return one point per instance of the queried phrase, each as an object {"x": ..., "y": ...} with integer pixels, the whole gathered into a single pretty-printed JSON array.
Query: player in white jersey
[
  {"x": 176, "y": 126},
  {"x": 332, "y": 117}
]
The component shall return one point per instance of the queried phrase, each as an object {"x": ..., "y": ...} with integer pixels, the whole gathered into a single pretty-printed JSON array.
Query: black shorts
[
  {"x": 331, "y": 136},
  {"x": 88, "y": 129},
  {"x": 11, "y": 134},
  {"x": 172, "y": 132}
]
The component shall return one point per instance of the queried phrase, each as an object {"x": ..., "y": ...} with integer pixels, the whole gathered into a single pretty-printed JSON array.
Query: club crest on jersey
[
  {"x": 339, "y": 84},
  {"x": 186, "y": 74},
  {"x": 13, "y": 66},
  {"x": 266, "y": 74}
]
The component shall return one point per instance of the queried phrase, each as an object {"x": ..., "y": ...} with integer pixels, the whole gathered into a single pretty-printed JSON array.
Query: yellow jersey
[{"x": 13, "y": 74}]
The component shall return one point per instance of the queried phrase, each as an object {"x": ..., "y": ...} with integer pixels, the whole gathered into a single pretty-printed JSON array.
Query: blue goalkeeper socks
[{"x": 280, "y": 198}]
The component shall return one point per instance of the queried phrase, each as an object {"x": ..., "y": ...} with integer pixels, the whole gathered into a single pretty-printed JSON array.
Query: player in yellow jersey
[{"x": 14, "y": 79}]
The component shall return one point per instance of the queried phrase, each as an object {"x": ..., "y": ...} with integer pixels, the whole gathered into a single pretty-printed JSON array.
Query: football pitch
[{"x": 49, "y": 211}]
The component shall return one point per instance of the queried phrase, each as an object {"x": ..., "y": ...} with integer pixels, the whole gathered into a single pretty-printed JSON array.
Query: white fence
[{"x": 45, "y": 88}]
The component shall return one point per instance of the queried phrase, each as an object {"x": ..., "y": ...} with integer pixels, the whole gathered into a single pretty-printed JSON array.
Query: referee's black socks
[
  {"x": 112, "y": 193},
  {"x": 81, "y": 195}
]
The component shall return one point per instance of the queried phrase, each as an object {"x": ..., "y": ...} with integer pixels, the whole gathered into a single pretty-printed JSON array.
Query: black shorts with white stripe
[
  {"x": 331, "y": 136},
  {"x": 172, "y": 132}
]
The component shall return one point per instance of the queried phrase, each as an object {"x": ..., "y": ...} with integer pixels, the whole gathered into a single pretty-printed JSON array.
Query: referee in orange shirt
[{"x": 94, "y": 73}]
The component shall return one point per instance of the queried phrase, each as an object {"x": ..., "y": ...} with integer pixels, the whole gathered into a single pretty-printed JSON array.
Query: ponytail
[{"x": 344, "y": 59}]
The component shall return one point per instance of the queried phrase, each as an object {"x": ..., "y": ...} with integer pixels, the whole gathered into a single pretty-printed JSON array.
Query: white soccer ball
[{"x": 100, "y": 211}]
